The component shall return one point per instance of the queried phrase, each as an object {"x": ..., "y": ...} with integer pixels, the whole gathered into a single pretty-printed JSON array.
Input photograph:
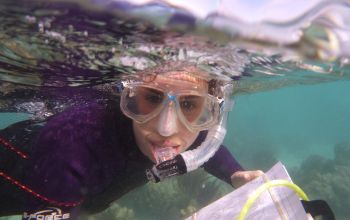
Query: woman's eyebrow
[
  {"x": 150, "y": 90},
  {"x": 192, "y": 96}
]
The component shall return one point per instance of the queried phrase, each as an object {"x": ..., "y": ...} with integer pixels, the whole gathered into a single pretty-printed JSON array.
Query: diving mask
[{"x": 144, "y": 101}]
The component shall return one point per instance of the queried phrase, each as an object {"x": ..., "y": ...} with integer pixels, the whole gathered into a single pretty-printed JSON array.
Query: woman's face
[{"x": 166, "y": 129}]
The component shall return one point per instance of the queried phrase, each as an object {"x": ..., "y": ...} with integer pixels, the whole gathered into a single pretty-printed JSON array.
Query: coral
[{"x": 342, "y": 153}]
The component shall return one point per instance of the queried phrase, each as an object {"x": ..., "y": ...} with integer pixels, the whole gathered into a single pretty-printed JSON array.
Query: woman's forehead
[
  {"x": 183, "y": 76},
  {"x": 181, "y": 81}
]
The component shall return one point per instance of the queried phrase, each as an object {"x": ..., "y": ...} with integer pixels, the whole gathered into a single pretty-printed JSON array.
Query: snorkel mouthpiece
[
  {"x": 166, "y": 169},
  {"x": 168, "y": 164},
  {"x": 164, "y": 153}
]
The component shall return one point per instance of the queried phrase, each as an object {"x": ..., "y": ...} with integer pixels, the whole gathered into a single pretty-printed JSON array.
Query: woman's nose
[{"x": 167, "y": 124}]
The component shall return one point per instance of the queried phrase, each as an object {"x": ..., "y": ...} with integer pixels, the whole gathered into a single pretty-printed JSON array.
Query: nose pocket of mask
[{"x": 167, "y": 124}]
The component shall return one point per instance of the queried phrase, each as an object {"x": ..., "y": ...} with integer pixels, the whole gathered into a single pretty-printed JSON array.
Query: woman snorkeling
[{"x": 169, "y": 120}]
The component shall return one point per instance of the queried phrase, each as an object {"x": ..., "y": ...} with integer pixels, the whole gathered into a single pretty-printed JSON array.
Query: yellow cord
[{"x": 266, "y": 186}]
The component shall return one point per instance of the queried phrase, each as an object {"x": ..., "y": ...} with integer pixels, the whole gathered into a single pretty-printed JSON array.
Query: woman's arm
[{"x": 225, "y": 167}]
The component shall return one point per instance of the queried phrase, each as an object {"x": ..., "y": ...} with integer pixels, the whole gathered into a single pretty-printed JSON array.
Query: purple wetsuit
[{"x": 81, "y": 160}]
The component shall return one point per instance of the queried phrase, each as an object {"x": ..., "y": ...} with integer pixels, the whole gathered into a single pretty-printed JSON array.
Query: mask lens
[
  {"x": 191, "y": 106},
  {"x": 198, "y": 111},
  {"x": 143, "y": 100}
]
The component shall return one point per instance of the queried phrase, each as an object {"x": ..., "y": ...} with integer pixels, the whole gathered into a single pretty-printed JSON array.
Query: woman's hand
[{"x": 240, "y": 178}]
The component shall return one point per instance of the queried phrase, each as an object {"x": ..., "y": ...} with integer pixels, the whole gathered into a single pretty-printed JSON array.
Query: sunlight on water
[{"x": 291, "y": 84}]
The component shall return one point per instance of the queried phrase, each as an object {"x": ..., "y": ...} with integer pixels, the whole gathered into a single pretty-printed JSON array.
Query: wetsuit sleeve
[
  {"x": 70, "y": 160},
  {"x": 59, "y": 165},
  {"x": 222, "y": 165}
]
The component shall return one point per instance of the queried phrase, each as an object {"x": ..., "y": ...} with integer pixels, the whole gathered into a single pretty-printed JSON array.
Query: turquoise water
[
  {"x": 292, "y": 122},
  {"x": 7, "y": 119}
]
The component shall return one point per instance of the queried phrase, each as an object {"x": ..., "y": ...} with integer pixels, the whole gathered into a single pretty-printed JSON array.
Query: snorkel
[
  {"x": 193, "y": 159},
  {"x": 197, "y": 157}
]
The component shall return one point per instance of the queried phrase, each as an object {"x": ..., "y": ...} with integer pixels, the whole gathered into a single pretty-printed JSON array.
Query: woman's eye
[
  {"x": 150, "y": 96},
  {"x": 154, "y": 98},
  {"x": 188, "y": 105},
  {"x": 191, "y": 106}
]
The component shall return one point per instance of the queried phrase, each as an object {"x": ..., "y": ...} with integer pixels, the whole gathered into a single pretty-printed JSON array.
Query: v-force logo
[{"x": 51, "y": 213}]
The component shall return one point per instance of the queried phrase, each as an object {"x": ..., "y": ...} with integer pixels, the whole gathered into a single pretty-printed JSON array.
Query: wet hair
[{"x": 214, "y": 88}]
